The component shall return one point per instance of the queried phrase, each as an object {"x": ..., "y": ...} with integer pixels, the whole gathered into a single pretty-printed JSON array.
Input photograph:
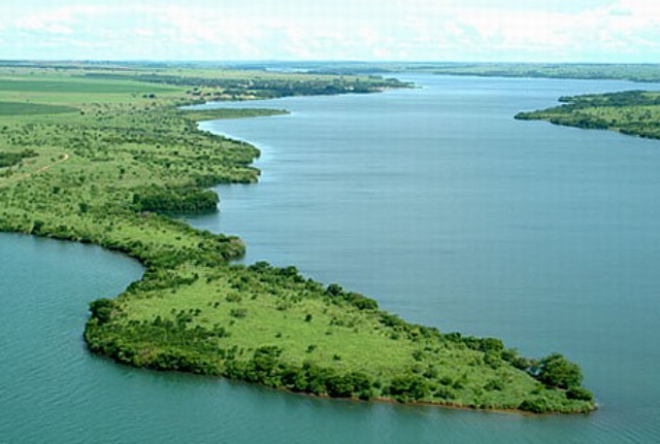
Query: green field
[
  {"x": 112, "y": 174},
  {"x": 78, "y": 86},
  {"x": 15, "y": 108}
]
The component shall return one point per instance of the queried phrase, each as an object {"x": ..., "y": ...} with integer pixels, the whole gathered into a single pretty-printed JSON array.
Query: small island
[{"x": 106, "y": 155}]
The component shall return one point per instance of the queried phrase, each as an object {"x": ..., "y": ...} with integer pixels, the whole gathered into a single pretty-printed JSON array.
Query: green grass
[
  {"x": 15, "y": 108},
  {"x": 78, "y": 86},
  {"x": 192, "y": 310}
]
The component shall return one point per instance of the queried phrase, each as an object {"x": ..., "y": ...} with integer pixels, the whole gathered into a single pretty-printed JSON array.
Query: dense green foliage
[
  {"x": 175, "y": 199},
  {"x": 12, "y": 158},
  {"x": 107, "y": 174},
  {"x": 557, "y": 371},
  {"x": 630, "y": 112}
]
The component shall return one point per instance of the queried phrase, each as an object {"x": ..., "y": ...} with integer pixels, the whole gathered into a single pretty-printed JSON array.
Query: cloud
[
  {"x": 602, "y": 30},
  {"x": 58, "y": 21},
  {"x": 532, "y": 33}
]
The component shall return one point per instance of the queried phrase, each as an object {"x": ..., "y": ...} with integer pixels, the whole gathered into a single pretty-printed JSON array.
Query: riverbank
[
  {"x": 634, "y": 113},
  {"x": 133, "y": 158}
]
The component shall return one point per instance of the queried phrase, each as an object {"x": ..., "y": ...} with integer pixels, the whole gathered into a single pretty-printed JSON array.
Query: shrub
[
  {"x": 494, "y": 384},
  {"x": 579, "y": 394},
  {"x": 557, "y": 371},
  {"x": 538, "y": 405},
  {"x": 409, "y": 387},
  {"x": 101, "y": 310},
  {"x": 238, "y": 312},
  {"x": 173, "y": 199}
]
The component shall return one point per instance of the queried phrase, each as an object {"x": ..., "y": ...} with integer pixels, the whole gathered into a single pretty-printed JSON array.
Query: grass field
[
  {"x": 77, "y": 86},
  {"x": 16, "y": 108},
  {"x": 110, "y": 173}
]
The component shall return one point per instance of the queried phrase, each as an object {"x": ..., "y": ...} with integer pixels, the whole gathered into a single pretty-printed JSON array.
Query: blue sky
[{"x": 428, "y": 30}]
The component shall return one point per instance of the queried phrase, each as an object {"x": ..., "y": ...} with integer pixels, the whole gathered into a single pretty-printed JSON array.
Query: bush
[
  {"x": 9, "y": 159},
  {"x": 539, "y": 405},
  {"x": 171, "y": 199},
  {"x": 579, "y": 394},
  {"x": 101, "y": 310},
  {"x": 495, "y": 385},
  {"x": 409, "y": 387},
  {"x": 557, "y": 371},
  {"x": 445, "y": 393},
  {"x": 238, "y": 312}
]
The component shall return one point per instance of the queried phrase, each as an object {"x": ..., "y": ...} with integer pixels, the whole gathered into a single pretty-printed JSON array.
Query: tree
[
  {"x": 557, "y": 371},
  {"x": 580, "y": 394},
  {"x": 409, "y": 387},
  {"x": 102, "y": 309}
]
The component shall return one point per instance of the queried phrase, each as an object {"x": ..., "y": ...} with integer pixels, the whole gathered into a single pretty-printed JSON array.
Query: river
[{"x": 433, "y": 201}]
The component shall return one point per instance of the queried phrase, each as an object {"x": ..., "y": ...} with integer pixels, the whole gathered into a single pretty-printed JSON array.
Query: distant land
[
  {"x": 636, "y": 113},
  {"x": 586, "y": 71}
]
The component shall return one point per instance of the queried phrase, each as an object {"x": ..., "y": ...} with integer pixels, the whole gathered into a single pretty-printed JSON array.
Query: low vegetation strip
[
  {"x": 16, "y": 108},
  {"x": 593, "y": 71},
  {"x": 631, "y": 112},
  {"x": 232, "y": 113},
  {"x": 71, "y": 85},
  {"x": 135, "y": 159},
  {"x": 12, "y": 158}
]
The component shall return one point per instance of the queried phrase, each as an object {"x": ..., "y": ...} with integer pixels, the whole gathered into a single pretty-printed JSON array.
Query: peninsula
[
  {"x": 635, "y": 113},
  {"x": 104, "y": 154}
]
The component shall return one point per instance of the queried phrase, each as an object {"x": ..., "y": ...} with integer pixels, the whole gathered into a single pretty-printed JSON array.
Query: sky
[{"x": 611, "y": 31}]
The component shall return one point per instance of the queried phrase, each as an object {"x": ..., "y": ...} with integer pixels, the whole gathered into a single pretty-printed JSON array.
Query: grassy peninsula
[
  {"x": 104, "y": 155},
  {"x": 635, "y": 113}
]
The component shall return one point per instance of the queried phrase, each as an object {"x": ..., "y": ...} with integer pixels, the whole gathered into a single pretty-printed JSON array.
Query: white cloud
[
  {"x": 43, "y": 27},
  {"x": 360, "y": 29},
  {"x": 58, "y": 21}
]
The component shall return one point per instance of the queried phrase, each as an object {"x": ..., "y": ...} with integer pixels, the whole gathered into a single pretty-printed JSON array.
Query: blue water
[{"x": 433, "y": 201}]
